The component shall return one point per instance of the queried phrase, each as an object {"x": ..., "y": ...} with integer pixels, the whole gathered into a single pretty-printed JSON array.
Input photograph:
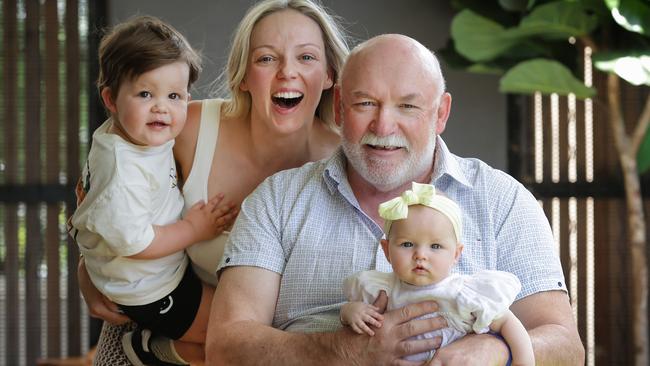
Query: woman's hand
[{"x": 99, "y": 306}]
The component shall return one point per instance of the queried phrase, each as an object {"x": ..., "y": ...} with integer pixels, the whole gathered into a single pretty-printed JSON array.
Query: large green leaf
[
  {"x": 481, "y": 39},
  {"x": 633, "y": 67},
  {"x": 558, "y": 19},
  {"x": 478, "y": 38},
  {"x": 545, "y": 76},
  {"x": 643, "y": 155},
  {"x": 633, "y": 15}
]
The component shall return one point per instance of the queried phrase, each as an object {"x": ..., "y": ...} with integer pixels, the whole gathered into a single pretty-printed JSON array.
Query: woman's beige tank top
[{"x": 205, "y": 255}]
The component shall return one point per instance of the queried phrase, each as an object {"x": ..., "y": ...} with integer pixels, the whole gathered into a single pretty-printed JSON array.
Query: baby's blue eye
[
  {"x": 436, "y": 246},
  {"x": 406, "y": 244}
]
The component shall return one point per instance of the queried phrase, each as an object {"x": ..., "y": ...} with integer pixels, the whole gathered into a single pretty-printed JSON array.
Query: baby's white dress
[{"x": 469, "y": 303}]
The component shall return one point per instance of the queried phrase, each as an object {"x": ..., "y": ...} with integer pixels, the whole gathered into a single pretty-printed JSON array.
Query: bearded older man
[{"x": 304, "y": 230}]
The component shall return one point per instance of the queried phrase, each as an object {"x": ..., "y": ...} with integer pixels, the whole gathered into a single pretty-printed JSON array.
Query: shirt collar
[
  {"x": 446, "y": 163},
  {"x": 334, "y": 172}
]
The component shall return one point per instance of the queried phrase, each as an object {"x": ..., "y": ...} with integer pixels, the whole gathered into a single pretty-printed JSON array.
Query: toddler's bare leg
[
  {"x": 192, "y": 353},
  {"x": 191, "y": 346}
]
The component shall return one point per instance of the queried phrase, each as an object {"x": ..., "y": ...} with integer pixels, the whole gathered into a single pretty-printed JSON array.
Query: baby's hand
[
  {"x": 359, "y": 315},
  {"x": 211, "y": 219}
]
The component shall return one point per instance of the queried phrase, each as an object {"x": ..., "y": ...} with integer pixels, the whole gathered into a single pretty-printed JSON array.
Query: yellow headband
[{"x": 420, "y": 194}]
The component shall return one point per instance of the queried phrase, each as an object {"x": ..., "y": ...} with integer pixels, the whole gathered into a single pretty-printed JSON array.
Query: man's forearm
[
  {"x": 555, "y": 345},
  {"x": 240, "y": 331},
  {"x": 250, "y": 343}
]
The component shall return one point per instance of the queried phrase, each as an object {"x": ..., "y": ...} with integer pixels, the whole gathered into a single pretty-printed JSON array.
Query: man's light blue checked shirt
[{"x": 307, "y": 225}]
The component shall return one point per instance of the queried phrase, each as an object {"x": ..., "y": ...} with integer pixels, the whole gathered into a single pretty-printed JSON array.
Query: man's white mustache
[{"x": 390, "y": 141}]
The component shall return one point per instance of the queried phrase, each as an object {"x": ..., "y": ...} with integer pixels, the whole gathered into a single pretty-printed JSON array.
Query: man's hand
[
  {"x": 473, "y": 349},
  {"x": 392, "y": 341}
]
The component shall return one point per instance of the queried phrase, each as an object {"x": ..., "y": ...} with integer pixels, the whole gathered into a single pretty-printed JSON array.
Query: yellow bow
[{"x": 420, "y": 194}]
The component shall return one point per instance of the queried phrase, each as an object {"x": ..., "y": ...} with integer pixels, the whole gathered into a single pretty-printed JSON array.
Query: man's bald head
[{"x": 396, "y": 51}]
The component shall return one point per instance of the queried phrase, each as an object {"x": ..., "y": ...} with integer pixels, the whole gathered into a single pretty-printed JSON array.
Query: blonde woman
[{"x": 284, "y": 60}]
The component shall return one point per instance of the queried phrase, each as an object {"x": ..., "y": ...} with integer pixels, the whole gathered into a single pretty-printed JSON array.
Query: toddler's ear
[{"x": 107, "y": 98}]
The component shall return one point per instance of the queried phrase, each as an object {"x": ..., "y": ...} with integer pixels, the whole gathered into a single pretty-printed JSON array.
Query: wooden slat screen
[
  {"x": 32, "y": 163},
  {"x": 612, "y": 282},
  {"x": 44, "y": 105},
  {"x": 52, "y": 147},
  {"x": 73, "y": 96},
  {"x": 10, "y": 176}
]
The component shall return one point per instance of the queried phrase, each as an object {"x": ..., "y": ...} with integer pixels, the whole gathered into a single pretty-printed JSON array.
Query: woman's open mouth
[{"x": 287, "y": 99}]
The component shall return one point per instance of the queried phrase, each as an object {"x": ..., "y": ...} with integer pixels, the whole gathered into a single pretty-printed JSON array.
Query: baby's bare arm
[
  {"x": 203, "y": 221},
  {"x": 517, "y": 338},
  {"x": 359, "y": 316}
]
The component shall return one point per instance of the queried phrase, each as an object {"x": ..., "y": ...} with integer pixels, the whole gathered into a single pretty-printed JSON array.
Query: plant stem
[
  {"x": 635, "y": 219},
  {"x": 641, "y": 127}
]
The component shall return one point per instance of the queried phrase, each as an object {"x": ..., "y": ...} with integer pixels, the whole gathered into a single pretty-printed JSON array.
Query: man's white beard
[{"x": 383, "y": 175}]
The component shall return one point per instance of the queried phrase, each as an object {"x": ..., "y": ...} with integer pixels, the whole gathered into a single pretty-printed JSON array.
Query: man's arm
[
  {"x": 553, "y": 331},
  {"x": 240, "y": 331},
  {"x": 549, "y": 320}
]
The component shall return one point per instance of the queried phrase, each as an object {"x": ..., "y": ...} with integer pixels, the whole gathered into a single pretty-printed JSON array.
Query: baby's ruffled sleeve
[
  {"x": 366, "y": 285},
  {"x": 486, "y": 295}
]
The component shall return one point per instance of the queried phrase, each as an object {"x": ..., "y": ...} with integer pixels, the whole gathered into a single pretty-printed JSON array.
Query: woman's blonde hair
[{"x": 336, "y": 49}]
